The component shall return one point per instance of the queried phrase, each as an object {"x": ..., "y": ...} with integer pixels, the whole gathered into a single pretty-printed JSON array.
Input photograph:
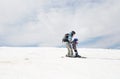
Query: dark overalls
[{"x": 74, "y": 45}]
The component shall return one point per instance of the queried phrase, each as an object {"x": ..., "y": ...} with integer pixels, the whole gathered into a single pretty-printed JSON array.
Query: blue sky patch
[{"x": 90, "y": 41}]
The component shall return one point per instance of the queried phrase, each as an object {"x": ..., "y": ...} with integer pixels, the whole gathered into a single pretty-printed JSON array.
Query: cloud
[
  {"x": 44, "y": 22},
  {"x": 12, "y": 11}
]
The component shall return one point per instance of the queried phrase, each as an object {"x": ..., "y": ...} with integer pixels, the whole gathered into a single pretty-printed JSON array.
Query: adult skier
[{"x": 68, "y": 41}]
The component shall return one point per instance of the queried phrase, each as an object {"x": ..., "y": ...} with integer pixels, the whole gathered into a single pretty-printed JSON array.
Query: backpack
[{"x": 65, "y": 38}]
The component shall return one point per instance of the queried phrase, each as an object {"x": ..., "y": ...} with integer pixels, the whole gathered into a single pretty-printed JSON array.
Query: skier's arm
[{"x": 70, "y": 38}]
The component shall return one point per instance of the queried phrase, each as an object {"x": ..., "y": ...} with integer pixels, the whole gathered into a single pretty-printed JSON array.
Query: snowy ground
[{"x": 47, "y": 63}]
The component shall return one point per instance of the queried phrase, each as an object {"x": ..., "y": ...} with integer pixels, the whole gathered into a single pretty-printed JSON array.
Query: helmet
[
  {"x": 75, "y": 39},
  {"x": 73, "y": 32}
]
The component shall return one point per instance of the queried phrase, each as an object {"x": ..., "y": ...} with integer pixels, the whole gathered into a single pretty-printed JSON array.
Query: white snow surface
[{"x": 51, "y": 63}]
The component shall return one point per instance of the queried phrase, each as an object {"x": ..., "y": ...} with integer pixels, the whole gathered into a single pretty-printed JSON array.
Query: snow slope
[{"x": 47, "y": 63}]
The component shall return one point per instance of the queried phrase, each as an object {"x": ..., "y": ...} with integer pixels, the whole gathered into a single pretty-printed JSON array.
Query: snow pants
[
  {"x": 69, "y": 47},
  {"x": 75, "y": 49}
]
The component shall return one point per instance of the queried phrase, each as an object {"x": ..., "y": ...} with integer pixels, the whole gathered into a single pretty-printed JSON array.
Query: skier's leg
[
  {"x": 67, "y": 46},
  {"x": 71, "y": 50},
  {"x": 76, "y": 53}
]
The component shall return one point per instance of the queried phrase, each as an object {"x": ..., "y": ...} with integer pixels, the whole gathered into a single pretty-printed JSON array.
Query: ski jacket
[{"x": 70, "y": 37}]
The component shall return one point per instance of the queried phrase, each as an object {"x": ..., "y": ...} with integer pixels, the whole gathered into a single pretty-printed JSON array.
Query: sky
[{"x": 44, "y": 22}]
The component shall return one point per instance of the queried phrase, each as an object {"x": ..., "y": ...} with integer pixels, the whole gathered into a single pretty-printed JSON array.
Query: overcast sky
[{"x": 44, "y": 22}]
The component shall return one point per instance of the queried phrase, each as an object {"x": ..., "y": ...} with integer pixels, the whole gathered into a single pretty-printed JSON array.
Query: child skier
[{"x": 74, "y": 45}]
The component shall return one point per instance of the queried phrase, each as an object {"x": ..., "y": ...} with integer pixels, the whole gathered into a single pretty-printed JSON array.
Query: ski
[{"x": 73, "y": 57}]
